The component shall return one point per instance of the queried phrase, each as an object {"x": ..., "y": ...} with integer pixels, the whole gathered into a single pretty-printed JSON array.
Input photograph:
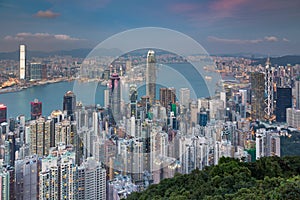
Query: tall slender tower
[
  {"x": 115, "y": 96},
  {"x": 22, "y": 62},
  {"x": 269, "y": 91},
  {"x": 151, "y": 76}
]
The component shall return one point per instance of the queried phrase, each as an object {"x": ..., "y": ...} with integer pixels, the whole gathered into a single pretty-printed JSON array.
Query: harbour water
[{"x": 51, "y": 95}]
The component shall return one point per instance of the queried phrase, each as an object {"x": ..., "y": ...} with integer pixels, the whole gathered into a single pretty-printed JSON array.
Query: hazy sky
[{"x": 220, "y": 26}]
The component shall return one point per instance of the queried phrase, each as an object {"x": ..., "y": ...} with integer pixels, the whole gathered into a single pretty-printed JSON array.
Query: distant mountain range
[{"x": 82, "y": 53}]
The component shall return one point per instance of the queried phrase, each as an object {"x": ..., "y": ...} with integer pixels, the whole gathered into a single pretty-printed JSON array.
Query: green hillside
[{"x": 267, "y": 178}]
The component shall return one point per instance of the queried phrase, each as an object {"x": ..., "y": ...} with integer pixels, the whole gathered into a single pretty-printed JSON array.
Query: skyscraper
[
  {"x": 3, "y": 113},
  {"x": 151, "y": 76},
  {"x": 283, "y": 101},
  {"x": 296, "y": 93},
  {"x": 69, "y": 104},
  {"x": 22, "y": 62},
  {"x": 36, "y": 71},
  {"x": 40, "y": 136},
  {"x": 91, "y": 180},
  {"x": 133, "y": 100},
  {"x": 257, "y": 97},
  {"x": 36, "y": 109},
  {"x": 167, "y": 96},
  {"x": 115, "y": 96},
  {"x": 269, "y": 100},
  {"x": 26, "y": 175},
  {"x": 184, "y": 95}
]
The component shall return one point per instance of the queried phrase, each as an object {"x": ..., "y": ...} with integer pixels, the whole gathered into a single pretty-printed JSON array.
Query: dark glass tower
[
  {"x": 133, "y": 100},
  {"x": 36, "y": 109},
  {"x": 69, "y": 104},
  {"x": 283, "y": 101}
]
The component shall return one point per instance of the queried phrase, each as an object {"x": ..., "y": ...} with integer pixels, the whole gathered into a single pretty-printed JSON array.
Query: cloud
[
  {"x": 46, "y": 14},
  {"x": 240, "y": 41},
  {"x": 285, "y": 40},
  {"x": 233, "y": 41},
  {"x": 271, "y": 38},
  {"x": 35, "y": 36}
]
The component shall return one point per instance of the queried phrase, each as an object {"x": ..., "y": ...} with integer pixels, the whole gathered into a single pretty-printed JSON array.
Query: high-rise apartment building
[
  {"x": 91, "y": 180},
  {"x": 39, "y": 134}
]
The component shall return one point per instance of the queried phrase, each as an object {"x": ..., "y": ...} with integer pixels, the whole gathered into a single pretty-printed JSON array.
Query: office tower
[
  {"x": 151, "y": 77},
  {"x": 39, "y": 135},
  {"x": 91, "y": 180},
  {"x": 283, "y": 101},
  {"x": 26, "y": 175},
  {"x": 69, "y": 104},
  {"x": 4, "y": 184},
  {"x": 296, "y": 94},
  {"x": 106, "y": 98},
  {"x": 115, "y": 96},
  {"x": 184, "y": 96},
  {"x": 37, "y": 71},
  {"x": 3, "y": 113},
  {"x": 167, "y": 96},
  {"x": 22, "y": 62},
  {"x": 244, "y": 96},
  {"x": 223, "y": 97},
  {"x": 202, "y": 117},
  {"x": 133, "y": 95},
  {"x": 216, "y": 109},
  {"x": 10, "y": 149},
  {"x": 257, "y": 97},
  {"x": 36, "y": 109},
  {"x": 269, "y": 90},
  {"x": 63, "y": 132},
  {"x": 58, "y": 176}
]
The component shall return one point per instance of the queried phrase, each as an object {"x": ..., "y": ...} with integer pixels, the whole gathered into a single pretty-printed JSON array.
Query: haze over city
[{"x": 221, "y": 26}]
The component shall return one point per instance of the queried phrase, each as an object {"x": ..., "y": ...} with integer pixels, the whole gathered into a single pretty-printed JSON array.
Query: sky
[{"x": 270, "y": 27}]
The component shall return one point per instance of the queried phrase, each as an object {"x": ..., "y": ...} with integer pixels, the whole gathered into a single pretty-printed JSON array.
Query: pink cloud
[{"x": 46, "y": 14}]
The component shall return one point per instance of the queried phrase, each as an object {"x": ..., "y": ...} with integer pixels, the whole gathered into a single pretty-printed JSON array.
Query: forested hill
[{"x": 267, "y": 178}]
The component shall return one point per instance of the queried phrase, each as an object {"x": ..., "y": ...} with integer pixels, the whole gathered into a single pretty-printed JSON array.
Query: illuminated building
[
  {"x": 36, "y": 109},
  {"x": 115, "y": 96},
  {"x": 22, "y": 62},
  {"x": 3, "y": 113},
  {"x": 257, "y": 97},
  {"x": 167, "y": 96}
]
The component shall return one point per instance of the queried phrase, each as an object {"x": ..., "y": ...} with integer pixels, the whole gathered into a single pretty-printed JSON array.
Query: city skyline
[{"x": 266, "y": 27}]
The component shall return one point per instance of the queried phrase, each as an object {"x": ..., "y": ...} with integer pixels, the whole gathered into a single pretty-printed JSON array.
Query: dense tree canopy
[{"x": 267, "y": 178}]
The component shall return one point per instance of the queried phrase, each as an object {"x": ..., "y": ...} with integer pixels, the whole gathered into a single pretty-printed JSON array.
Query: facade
[
  {"x": 69, "y": 104},
  {"x": 3, "y": 113},
  {"x": 4, "y": 184},
  {"x": 115, "y": 96},
  {"x": 151, "y": 77},
  {"x": 36, "y": 109},
  {"x": 39, "y": 134},
  {"x": 293, "y": 117},
  {"x": 36, "y": 71},
  {"x": 22, "y": 62},
  {"x": 296, "y": 93},
  {"x": 167, "y": 96},
  {"x": 257, "y": 98},
  {"x": 91, "y": 180},
  {"x": 58, "y": 176},
  {"x": 184, "y": 96},
  {"x": 283, "y": 101},
  {"x": 26, "y": 175}
]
